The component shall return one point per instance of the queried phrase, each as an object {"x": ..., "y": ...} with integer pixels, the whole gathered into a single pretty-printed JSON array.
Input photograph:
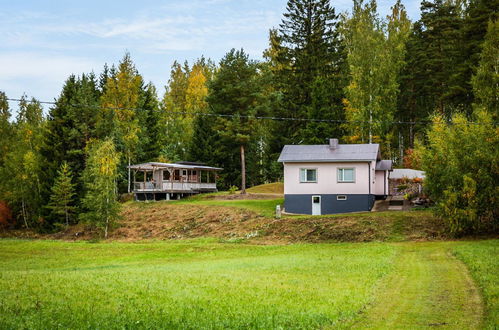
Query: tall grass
[{"x": 189, "y": 284}]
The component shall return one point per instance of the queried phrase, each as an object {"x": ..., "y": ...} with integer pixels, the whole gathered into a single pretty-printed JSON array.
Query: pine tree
[
  {"x": 235, "y": 91},
  {"x": 63, "y": 192},
  {"x": 100, "y": 204}
]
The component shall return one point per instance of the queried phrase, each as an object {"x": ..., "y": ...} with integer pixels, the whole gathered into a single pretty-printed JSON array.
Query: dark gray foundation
[{"x": 302, "y": 204}]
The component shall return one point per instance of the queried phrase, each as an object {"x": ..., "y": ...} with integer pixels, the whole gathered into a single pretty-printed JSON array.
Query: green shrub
[
  {"x": 461, "y": 163},
  {"x": 233, "y": 189}
]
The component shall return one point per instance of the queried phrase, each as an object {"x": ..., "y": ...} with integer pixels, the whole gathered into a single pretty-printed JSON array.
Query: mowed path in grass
[
  {"x": 203, "y": 284},
  {"x": 429, "y": 287}
]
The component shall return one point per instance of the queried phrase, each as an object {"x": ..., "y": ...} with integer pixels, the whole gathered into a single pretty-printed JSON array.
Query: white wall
[
  {"x": 327, "y": 182},
  {"x": 381, "y": 181}
]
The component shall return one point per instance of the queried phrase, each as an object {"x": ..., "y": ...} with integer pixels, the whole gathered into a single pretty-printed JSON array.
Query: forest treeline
[{"x": 359, "y": 77}]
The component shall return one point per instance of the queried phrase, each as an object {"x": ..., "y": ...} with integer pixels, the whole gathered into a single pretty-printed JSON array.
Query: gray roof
[
  {"x": 156, "y": 165},
  {"x": 384, "y": 165},
  {"x": 322, "y": 153},
  {"x": 399, "y": 173}
]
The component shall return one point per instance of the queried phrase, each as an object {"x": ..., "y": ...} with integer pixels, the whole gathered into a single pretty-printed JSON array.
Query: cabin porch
[{"x": 163, "y": 181}]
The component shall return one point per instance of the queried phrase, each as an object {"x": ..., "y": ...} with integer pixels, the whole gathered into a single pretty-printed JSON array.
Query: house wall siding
[
  {"x": 327, "y": 182},
  {"x": 381, "y": 181},
  {"x": 302, "y": 203}
]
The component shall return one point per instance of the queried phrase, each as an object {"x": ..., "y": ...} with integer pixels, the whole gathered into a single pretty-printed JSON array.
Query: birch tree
[
  {"x": 100, "y": 203},
  {"x": 376, "y": 50},
  {"x": 121, "y": 97}
]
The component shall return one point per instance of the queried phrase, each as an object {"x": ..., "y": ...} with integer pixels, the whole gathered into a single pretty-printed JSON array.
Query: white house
[{"x": 334, "y": 178}]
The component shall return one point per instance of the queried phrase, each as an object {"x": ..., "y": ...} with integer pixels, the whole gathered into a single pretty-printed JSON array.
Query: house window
[
  {"x": 341, "y": 197},
  {"x": 346, "y": 175},
  {"x": 308, "y": 175},
  {"x": 166, "y": 175}
]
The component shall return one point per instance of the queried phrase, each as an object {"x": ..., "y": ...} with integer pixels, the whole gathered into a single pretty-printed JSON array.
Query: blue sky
[{"x": 43, "y": 42}]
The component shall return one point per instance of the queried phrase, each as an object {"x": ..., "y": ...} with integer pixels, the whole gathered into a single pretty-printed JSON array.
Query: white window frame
[
  {"x": 341, "y": 197},
  {"x": 340, "y": 177},
  {"x": 305, "y": 177}
]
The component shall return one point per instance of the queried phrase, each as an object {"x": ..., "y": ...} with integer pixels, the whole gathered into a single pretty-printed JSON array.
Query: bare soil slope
[{"x": 180, "y": 221}]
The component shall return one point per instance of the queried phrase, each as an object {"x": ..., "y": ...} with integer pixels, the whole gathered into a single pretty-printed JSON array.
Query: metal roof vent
[{"x": 333, "y": 144}]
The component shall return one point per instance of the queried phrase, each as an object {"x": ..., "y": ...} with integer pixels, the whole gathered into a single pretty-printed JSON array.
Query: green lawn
[
  {"x": 206, "y": 284},
  {"x": 197, "y": 284},
  {"x": 482, "y": 259}
]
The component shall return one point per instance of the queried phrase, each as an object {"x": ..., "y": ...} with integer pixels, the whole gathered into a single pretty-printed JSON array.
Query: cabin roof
[
  {"x": 384, "y": 165},
  {"x": 150, "y": 166},
  {"x": 323, "y": 153}
]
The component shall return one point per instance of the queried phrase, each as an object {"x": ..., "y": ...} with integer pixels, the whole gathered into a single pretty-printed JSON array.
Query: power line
[{"x": 338, "y": 121}]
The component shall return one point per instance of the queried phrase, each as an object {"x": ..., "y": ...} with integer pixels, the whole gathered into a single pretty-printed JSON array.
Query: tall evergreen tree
[
  {"x": 307, "y": 58},
  {"x": 71, "y": 124},
  {"x": 62, "y": 198},
  {"x": 149, "y": 121},
  {"x": 235, "y": 92}
]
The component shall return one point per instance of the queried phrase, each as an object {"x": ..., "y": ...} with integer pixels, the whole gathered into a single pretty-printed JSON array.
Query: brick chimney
[{"x": 333, "y": 144}]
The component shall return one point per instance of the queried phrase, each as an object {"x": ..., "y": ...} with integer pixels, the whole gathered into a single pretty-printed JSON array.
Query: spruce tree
[
  {"x": 149, "y": 121},
  {"x": 307, "y": 58},
  {"x": 62, "y": 198},
  {"x": 71, "y": 124}
]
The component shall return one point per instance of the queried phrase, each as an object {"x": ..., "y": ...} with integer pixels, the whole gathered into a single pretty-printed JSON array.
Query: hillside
[{"x": 230, "y": 218}]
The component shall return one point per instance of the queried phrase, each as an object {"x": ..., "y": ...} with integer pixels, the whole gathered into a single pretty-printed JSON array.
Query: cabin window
[
  {"x": 341, "y": 197},
  {"x": 346, "y": 175},
  {"x": 308, "y": 175},
  {"x": 166, "y": 175},
  {"x": 176, "y": 175}
]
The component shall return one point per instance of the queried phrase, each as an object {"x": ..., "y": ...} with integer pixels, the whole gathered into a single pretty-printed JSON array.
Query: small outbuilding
[
  {"x": 165, "y": 181},
  {"x": 333, "y": 178}
]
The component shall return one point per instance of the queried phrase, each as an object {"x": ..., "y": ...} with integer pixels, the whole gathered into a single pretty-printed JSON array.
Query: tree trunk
[
  {"x": 67, "y": 215},
  {"x": 243, "y": 171},
  {"x": 24, "y": 213},
  {"x": 129, "y": 172}
]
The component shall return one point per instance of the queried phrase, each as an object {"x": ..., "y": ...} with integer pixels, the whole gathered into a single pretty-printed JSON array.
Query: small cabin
[{"x": 165, "y": 181}]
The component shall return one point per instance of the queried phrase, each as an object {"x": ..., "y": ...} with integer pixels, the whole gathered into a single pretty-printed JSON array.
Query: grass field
[
  {"x": 482, "y": 260},
  {"x": 205, "y": 284}
]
